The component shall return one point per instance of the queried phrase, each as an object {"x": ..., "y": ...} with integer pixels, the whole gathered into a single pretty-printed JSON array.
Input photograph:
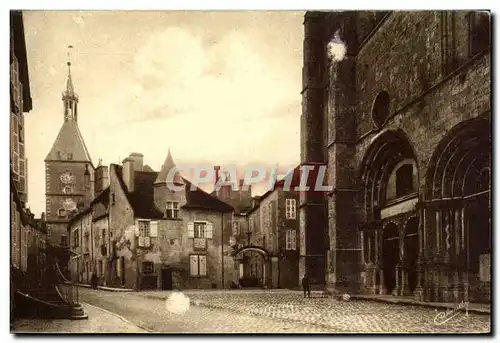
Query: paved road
[
  {"x": 279, "y": 312},
  {"x": 151, "y": 314},
  {"x": 355, "y": 316}
]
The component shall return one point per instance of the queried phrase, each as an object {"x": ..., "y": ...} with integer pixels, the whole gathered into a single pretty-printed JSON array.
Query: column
[
  {"x": 457, "y": 291},
  {"x": 436, "y": 260},
  {"x": 377, "y": 288},
  {"x": 418, "y": 293},
  {"x": 465, "y": 246}
]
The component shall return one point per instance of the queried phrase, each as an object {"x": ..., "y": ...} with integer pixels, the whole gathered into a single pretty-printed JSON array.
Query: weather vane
[{"x": 69, "y": 54}]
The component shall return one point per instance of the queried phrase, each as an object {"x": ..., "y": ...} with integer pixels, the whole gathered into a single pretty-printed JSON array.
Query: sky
[{"x": 217, "y": 88}]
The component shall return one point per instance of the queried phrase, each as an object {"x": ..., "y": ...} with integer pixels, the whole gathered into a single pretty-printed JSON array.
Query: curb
[
  {"x": 118, "y": 316},
  {"x": 104, "y": 288}
]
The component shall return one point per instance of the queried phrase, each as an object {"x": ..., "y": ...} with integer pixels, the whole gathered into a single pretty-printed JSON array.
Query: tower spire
[
  {"x": 69, "y": 97},
  {"x": 69, "y": 82}
]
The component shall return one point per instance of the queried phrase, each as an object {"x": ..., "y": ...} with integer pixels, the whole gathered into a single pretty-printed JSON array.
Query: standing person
[{"x": 306, "y": 286}]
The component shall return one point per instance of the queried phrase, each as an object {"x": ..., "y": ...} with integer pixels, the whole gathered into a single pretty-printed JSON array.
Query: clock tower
[{"x": 69, "y": 172}]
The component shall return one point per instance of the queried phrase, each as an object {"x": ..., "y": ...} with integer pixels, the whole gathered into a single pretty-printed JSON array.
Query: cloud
[{"x": 175, "y": 73}]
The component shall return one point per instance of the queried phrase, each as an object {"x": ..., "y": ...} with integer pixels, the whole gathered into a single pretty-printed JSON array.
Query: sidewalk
[{"x": 99, "y": 321}]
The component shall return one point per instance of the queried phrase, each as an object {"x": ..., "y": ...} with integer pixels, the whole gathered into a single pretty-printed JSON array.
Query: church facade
[
  {"x": 400, "y": 114},
  {"x": 69, "y": 172}
]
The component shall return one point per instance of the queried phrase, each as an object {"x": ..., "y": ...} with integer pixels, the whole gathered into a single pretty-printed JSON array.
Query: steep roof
[
  {"x": 69, "y": 141},
  {"x": 142, "y": 199},
  {"x": 165, "y": 169},
  {"x": 200, "y": 199}
]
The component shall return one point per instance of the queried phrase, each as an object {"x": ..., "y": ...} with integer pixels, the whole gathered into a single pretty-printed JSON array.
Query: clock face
[
  {"x": 67, "y": 177},
  {"x": 69, "y": 204}
]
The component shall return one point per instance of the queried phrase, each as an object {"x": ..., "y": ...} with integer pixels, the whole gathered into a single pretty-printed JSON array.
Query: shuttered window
[
  {"x": 291, "y": 240},
  {"x": 194, "y": 265},
  {"x": 291, "y": 209},
  {"x": 198, "y": 265},
  {"x": 200, "y": 230}
]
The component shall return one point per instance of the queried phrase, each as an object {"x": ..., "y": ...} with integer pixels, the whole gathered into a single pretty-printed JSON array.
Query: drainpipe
[
  {"x": 222, "y": 247},
  {"x": 91, "y": 242}
]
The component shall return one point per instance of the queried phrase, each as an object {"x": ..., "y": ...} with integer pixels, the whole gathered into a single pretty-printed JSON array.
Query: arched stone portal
[
  {"x": 255, "y": 263},
  {"x": 458, "y": 214},
  {"x": 389, "y": 173}
]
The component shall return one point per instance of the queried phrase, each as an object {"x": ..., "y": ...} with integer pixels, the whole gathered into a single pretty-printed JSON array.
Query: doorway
[
  {"x": 390, "y": 250},
  {"x": 166, "y": 279},
  {"x": 411, "y": 252}
]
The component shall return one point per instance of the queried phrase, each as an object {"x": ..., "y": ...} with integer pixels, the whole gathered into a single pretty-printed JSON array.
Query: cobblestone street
[
  {"x": 253, "y": 311},
  {"x": 354, "y": 316}
]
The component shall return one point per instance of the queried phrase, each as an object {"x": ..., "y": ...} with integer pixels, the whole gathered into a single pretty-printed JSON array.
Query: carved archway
[{"x": 458, "y": 206}]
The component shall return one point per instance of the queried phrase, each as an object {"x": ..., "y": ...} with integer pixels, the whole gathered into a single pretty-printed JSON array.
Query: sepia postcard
[{"x": 250, "y": 172}]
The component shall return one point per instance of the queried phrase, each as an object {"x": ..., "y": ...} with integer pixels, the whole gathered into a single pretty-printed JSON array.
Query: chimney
[
  {"x": 138, "y": 159},
  {"x": 217, "y": 176},
  {"x": 128, "y": 173},
  {"x": 217, "y": 171}
]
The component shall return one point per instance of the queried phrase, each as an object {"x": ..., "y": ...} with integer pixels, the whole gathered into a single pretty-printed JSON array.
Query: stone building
[
  {"x": 69, "y": 172},
  {"x": 401, "y": 117},
  {"x": 28, "y": 236},
  {"x": 270, "y": 255},
  {"x": 20, "y": 102},
  {"x": 148, "y": 235}
]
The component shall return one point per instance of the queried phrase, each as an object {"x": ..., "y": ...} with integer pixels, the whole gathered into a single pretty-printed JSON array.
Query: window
[
  {"x": 113, "y": 198},
  {"x": 380, "y": 110},
  {"x": 64, "y": 240},
  {"x": 147, "y": 267},
  {"x": 76, "y": 238},
  {"x": 479, "y": 32},
  {"x": 21, "y": 133},
  {"x": 100, "y": 269},
  {"x": 291, "y": 240},
  {"x": 144, "y": 234},
  {"x": 103, "y": 236},
  {"x": 198, "y": 265},
  {"x": 67, "y": 190},
  {"x": 404, "y": 180},
  {"x": 236, "y": 228},
  {"x": 70, "y": 157},
  {"x": 200, "y": 230},
  {"x": 291, "y": 209},
  {"x": 172, "y": 209}
]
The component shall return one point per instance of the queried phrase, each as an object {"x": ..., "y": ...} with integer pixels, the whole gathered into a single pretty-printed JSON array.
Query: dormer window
[{"x": 172, "y": 210}]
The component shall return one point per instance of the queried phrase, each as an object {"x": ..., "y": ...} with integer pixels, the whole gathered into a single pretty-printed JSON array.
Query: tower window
[
  {"x": 67, "y": 190},
  {"x": 404, "y": 180},
  {"x": 380, "y": 110},
  {"x": 61, "y": 212},
  {"x": 70, "y": 157}
]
